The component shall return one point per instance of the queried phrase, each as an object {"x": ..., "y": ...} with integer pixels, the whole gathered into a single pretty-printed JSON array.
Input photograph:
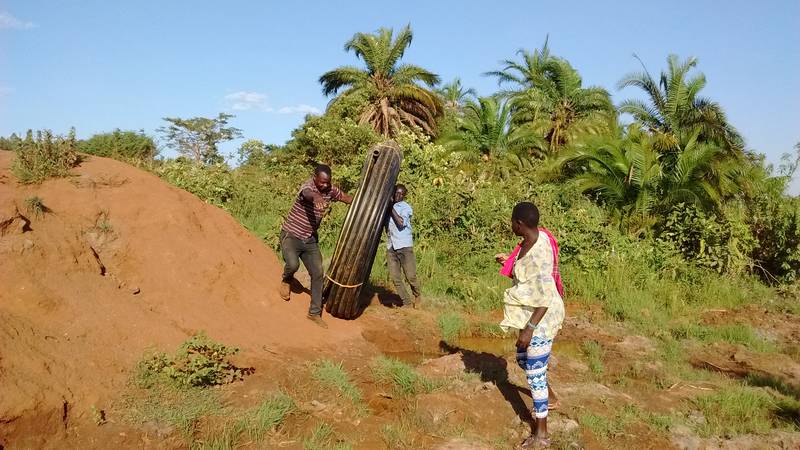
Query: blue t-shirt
[{"x": 398, "y": 239}]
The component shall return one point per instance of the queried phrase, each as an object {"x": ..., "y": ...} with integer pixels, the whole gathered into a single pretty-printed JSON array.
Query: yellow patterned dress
[{"x": 533, "y": 287}]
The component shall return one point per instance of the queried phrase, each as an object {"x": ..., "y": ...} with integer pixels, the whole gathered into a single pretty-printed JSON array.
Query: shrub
[
  {"x": 129, "y": 146},
  {"x": 35, "y": 206},
  {"x": 198, "y": 362},
  {"x": 718, "y": 244},
  {"x": 213, "y": 183},
  {"x": 44, "y": 156}
]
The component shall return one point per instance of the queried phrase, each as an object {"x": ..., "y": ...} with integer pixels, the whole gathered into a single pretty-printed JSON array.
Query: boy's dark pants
[
  {"x": 294, "y": 250},
  {"x": 403, "y": 261}
]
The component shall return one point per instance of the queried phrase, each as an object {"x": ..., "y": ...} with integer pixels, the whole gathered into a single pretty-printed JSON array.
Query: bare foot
[{"x": 533, "y": 442}]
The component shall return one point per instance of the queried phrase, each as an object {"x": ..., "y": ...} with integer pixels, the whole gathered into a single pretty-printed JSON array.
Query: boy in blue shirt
[{"x": 399, "y": 248}]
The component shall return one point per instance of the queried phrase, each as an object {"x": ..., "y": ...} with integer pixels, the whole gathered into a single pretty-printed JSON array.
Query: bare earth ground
[{"x": 121, "y": 263}]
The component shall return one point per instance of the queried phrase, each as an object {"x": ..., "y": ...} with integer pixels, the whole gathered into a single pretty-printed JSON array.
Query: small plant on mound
[
  {"x": 198, "y": 362},
  {"x": 35, "y": 206},
  {"x": 44, "y": 156}
]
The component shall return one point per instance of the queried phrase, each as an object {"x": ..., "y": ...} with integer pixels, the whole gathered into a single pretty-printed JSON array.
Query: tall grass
[
  {"x": 332, "y": 376},
  {"x": 44, "y": 156},
  {"x": 402, "y": 377}
]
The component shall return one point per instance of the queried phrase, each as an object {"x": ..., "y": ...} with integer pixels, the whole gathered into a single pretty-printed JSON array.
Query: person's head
[
  {"x": 524, "y": 217},
  {"x": 322, "y": 177},
  {"x": 399, "y": 193}
]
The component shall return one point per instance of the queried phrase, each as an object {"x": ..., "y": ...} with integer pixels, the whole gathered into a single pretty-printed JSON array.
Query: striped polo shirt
[{"x": 304, "y": 218}]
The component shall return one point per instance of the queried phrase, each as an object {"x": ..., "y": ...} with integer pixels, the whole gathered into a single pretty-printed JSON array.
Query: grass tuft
[
  {"x": 404, "y": 379},
  {"x": 452, "y": 325},
  {"x": 594, "y": 354},
  {"x": 322, "y": 438},
  {"x": 332, "y": 375}
]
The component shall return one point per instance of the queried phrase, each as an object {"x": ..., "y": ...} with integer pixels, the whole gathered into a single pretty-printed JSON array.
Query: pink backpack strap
[{"x": 556, "y": 271}]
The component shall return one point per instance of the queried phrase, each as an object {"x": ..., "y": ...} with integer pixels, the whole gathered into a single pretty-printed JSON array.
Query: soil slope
[{"x": 117, "y": 263}]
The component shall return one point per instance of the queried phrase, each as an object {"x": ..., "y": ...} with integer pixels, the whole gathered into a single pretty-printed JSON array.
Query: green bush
[
  {"x": 198, "y": 362},
  {"x": 212, "y": 183},
  {"x": 718, "y": 244},
  {"x": 44, "y": 156},
  {"x": 129, "y": 146}
]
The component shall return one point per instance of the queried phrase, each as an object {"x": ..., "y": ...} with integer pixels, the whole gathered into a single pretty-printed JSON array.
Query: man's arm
[
  {"x": 345, "y": 198},
  {"x": 313, "y": 197},
  {"x": 398, "y": 220}
]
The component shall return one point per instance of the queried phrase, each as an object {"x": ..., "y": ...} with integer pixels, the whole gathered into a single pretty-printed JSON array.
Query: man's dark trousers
[
  {"x": 307, "y": 250},
  {"x": 399, "y": 261}
]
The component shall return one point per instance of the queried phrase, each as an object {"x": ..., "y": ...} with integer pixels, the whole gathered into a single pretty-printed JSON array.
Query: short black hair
[
  {"x": 322, "y": 168},
  {"x": 400, "y": 186},
  {"x": 527, "y": 213}
]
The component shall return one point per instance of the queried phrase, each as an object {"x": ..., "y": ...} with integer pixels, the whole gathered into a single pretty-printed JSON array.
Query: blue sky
[{"x": 99, "y": 65}]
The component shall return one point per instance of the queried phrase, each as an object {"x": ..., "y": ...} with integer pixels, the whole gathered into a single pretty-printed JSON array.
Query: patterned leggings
[{"x": 533, "y": 361}]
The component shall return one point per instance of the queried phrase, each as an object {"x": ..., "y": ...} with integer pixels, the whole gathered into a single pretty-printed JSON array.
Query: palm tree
[
  {"x": 486, "y": 130},
  {"x": 628, "y": 173},
  {"x": 674, "y": 107},
  {"x": 550, "y": 96},
  {"x": 391, "y": 92},
  {"x": 622, "y": 170},
  {"x": 454, "y": 95}
]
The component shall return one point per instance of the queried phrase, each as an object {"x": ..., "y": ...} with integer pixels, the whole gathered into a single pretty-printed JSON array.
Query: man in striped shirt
[{"x": 299, "y": 235}]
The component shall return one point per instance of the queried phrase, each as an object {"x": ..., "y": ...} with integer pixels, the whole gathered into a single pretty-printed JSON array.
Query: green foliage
[
  {"x": 452, "y": 325},
  {"x": 44, "y": 156},
  {"x": 674, "y": 107},
  {"x": 389, "y": 93},
  {"x": 213, "y": 183},
  {"x": 548, "y": 97},
  {"x": 129, "y": 146},
  {"x": 197, "y": 138},
  {"x": 402, "y": 377},
  {"x": 330, "y": 140},
  {"x": 485, "y": 131},
  {"x": 198, "y": 362},
  {"x": 717, "y": 244},
  {"x": 775, "y": 223},
  {"x": 253, "y": 152}
]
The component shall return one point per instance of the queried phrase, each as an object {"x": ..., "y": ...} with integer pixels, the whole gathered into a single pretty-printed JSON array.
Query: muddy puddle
[{"x": 496, "y": 346}]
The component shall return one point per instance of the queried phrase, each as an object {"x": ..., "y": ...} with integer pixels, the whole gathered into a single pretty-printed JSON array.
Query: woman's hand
[
  {"x": 501, "y": 258},
  {"x": 524, "y": 339}
]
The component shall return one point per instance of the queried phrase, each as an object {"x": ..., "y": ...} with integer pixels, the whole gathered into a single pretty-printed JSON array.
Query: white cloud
[
  {"x": 304, "y": 109},
  {"x": 256, "y": 101},
  {"x": 7, "y": 21},
  {"x": 5, "y": 90},
  {"x": 243, "y": 101}
]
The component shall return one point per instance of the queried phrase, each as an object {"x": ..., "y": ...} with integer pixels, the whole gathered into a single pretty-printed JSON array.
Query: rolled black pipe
[{"x": 358, "y": 241}]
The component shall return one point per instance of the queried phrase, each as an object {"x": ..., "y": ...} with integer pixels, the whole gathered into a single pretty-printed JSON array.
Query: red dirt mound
[{"x": 118, "y": 262}]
